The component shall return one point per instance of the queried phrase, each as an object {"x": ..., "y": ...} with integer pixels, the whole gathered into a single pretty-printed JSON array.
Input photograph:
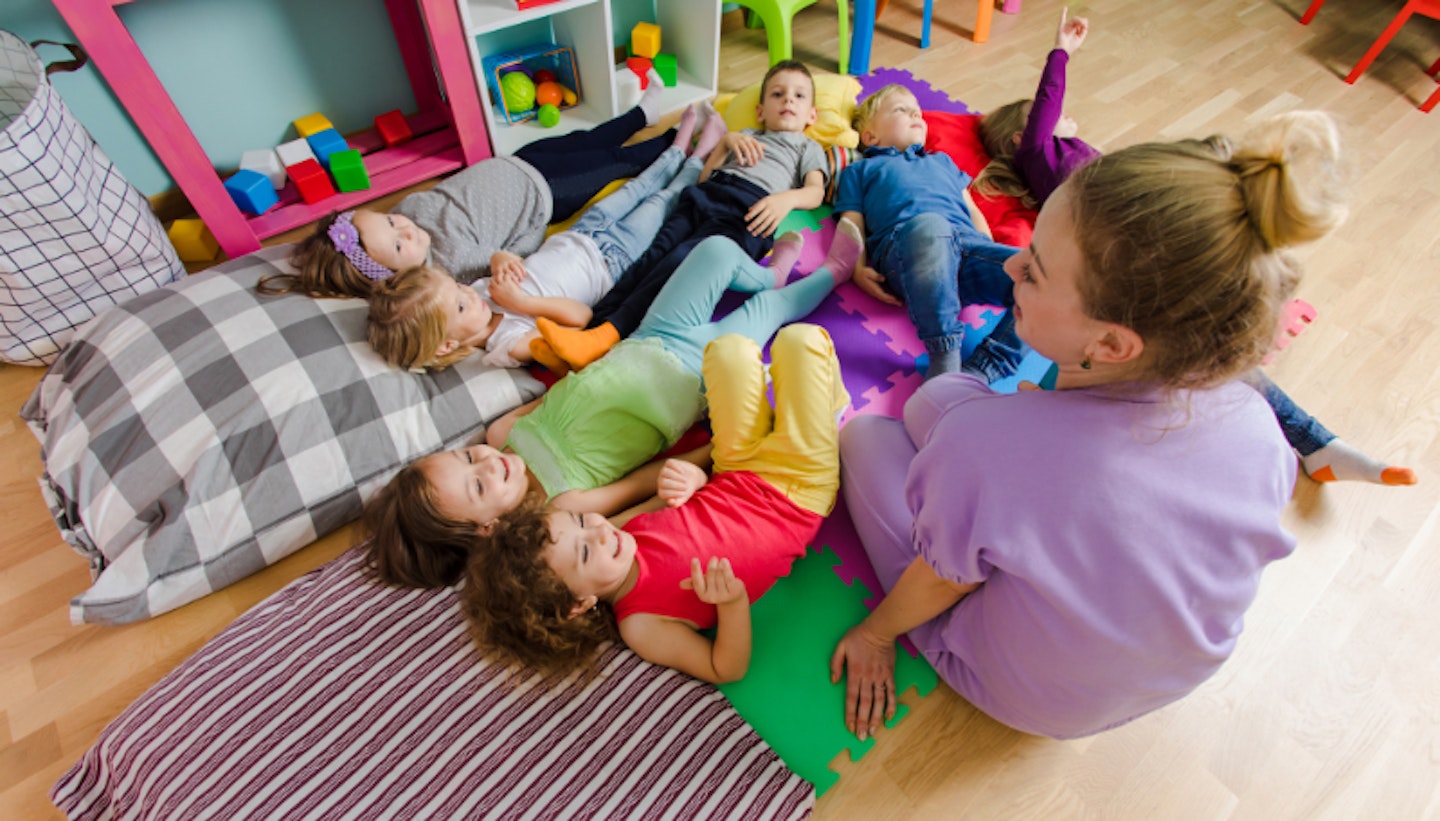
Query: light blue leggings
[{"x": 680, "y": 315}]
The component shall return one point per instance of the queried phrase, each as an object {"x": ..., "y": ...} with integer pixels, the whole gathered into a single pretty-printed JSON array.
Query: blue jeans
[
  {"x": 935, "y": 267},
  {"x": 625, "y": 223},
  {"x": 680, "y": 315},
  {"x": 1303, "y": 431}
]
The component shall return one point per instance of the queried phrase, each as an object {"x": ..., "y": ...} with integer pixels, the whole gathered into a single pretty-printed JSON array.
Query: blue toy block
[
  {"x": 251, "y": 191},
  {"x": 327, "y": 142}
]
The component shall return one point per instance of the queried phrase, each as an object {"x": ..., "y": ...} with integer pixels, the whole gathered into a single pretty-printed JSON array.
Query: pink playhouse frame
[{"x": 450, "y": 125}]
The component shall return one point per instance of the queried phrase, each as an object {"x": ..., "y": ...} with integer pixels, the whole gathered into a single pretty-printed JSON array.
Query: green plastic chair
[{"x": 775, "y": 16}]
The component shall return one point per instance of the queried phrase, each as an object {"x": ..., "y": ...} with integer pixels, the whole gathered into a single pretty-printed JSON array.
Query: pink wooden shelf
[{"x": 450, "y": 125}]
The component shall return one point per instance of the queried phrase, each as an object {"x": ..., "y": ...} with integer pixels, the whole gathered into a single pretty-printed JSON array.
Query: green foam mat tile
[
  {"x": 787, "y": 695},
  {"x": 803, "y": 220}
]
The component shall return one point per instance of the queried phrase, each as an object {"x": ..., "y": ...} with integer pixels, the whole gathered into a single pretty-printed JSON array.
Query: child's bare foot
[
  {"x": 784, "y": 256},
  {"x": 711, "y": 133},
  {"x": 685, "y": 129},
  {"x": 545, "y": 355},
  {"x": 1340, "y": 461},
  {"x": 578, "y": 348},
  {"x": 845, "y": 251}
]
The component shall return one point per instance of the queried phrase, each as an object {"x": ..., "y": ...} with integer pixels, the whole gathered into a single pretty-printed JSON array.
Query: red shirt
[{"x": 736, "y": 516}]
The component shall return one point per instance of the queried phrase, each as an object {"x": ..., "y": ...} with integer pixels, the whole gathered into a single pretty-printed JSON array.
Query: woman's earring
[{"x": 1085, "y": 363}]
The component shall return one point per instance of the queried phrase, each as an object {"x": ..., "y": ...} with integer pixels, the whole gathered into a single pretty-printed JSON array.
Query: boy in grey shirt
[{"x": 749, "y": 184}]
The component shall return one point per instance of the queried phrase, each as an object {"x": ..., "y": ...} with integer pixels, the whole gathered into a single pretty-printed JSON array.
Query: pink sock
[
  {"x": 784, "y": 256},
  {"x": 685, "y": 129},
  {"x": 844, "y": 251},
  {"x": 711, "y": 134}
]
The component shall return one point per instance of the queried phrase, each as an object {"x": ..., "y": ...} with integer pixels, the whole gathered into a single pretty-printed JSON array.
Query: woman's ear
[
  {"x": 581, "y": 607},
  {"x": 1117, "y": 345}
]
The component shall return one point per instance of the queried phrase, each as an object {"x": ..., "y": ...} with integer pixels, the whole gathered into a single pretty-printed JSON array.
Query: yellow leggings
[{"x": 795, "y": 446}]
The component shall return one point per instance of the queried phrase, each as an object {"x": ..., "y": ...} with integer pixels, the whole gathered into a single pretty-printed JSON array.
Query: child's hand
[
  {"x": 505, "y": 288},
  {"x": 678, "y": 481},
  {"x": 718, "y": 585},
  {"x": 747, "y": 149},
  {"x": 872, "y": 282},
  {"x": 764, "y": 216},
  {"x": 1071, "y": 32},
  {"x": 502, "y": 262}
]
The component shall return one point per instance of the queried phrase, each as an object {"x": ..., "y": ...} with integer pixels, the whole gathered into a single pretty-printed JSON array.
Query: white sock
[
  {"x": 1340, "y": 461},
  {"x": 650, "y": 98}
]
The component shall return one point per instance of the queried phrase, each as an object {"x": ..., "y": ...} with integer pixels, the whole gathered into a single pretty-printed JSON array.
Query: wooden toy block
[
  {"x": 348, "y": 169},
  {"x": 393, "y": 127},
  {"x": 311, "y": 181},
  {"x": 193, "y": 241},
  {"x": 667, "y": 68},
  {"x": 294, "y": 152},
  {"x": 327, "y": 142},
  {"x": 645, "y": 40},
  {"x": 267, "y": 162},
  {"x": 312, "y": 124},
  {"x": 251, "y": 191}
]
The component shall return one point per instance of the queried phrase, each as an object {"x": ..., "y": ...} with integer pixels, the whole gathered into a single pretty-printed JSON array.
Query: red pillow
[{"x": 958, "y": 135}]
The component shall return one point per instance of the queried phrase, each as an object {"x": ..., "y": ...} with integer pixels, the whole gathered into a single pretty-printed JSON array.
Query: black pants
[
  {"x": 716, "y": 207},
  {"x": 577, "y": 165}
]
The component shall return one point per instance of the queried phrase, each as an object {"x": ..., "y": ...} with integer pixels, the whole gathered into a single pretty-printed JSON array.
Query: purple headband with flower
[{"x": 347, "y": 241}]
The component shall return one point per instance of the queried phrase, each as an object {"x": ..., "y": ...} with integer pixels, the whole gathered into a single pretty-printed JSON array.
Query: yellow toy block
[
  {"x": 312, "y": 124},
  {"x": 645, "y": 40},
  {"x": 193, "y": 241}
]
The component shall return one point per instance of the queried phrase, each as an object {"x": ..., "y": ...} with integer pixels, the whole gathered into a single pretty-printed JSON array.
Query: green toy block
[
  {"x": 787, "y": 695},
  {"x": 348, "y": 169},
  {"x": 666, "y": 67}
]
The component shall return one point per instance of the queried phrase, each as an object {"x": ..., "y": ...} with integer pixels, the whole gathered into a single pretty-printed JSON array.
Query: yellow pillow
[{"x": 835, "y": 96}]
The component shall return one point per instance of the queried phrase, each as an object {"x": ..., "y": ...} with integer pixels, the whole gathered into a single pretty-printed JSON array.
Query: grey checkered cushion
[{"x": 200, "y": 432}]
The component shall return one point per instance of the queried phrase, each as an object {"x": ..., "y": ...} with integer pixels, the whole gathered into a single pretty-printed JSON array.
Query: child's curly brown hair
[{"x": 518, "y": 609}]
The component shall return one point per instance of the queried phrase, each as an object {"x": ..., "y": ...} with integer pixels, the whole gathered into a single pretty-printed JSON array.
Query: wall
[{"x": 239, "y": 71}]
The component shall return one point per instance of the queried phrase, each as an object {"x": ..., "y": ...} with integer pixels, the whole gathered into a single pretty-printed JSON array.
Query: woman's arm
[{"x": 866, "y": 654}]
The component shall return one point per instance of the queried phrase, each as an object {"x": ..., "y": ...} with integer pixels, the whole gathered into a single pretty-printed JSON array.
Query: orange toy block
[
  {"x": 645, "y": 40},
  {"x": 193, "y": 241}
]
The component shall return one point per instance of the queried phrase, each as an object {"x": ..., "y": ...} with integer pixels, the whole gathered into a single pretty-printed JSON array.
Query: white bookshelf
[{"x": 690, "y": 29}]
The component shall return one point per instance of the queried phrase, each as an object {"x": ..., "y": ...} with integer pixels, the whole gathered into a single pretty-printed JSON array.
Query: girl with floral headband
[{"x": 503, "y": 203}]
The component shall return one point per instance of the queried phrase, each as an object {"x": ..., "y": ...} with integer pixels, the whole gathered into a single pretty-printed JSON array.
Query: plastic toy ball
[
  {"x": 549, "y": 94},
  {"x": 518, "y": 91},
  {"x": 544, "y": 75},
  {"x": 549, "y": 116}
]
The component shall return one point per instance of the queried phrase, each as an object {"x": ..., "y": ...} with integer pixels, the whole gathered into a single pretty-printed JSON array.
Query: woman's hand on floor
[{"x": 868, "y": 663}]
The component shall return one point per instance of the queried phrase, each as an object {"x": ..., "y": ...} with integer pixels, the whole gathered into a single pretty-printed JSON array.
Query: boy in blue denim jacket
[{"x": 924, "y": 247}]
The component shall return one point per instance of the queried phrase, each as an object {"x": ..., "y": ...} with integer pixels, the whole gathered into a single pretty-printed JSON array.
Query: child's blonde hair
[
  {"x": 518, "y": 608},
  {"x": 997, "y": 134},
  {"x": 865, "y": 112},
  {"x": 407, "y": 322},
  {"x": 1181, "y": 242},
  {"x": 320, "y": 269}
]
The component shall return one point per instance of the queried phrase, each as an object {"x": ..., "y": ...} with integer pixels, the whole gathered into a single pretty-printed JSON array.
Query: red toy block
[
  {"x": 393, "y": 127},
  {"x": 641, "y": 67},
  {"x": 311, "y": 181}
]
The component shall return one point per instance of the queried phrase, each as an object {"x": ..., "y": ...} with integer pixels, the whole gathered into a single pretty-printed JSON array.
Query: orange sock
[
  {"x": 578, "y": 348},
  {"x": 545, "y": 355}
]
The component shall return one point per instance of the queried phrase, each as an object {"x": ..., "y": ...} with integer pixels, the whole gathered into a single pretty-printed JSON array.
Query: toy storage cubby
[
  {"x": 591, "y": 29},
  {"x": 450, "y": 128}
]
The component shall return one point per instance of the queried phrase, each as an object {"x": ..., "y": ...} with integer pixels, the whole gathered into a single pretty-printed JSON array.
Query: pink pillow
[{"x": 959, "y": 136}]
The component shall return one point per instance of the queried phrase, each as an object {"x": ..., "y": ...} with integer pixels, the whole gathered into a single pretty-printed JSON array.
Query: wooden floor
[{"x": 1331, "y": 706}]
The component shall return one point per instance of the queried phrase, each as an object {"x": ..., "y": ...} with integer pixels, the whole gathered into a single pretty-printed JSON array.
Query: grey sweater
[{"x": 495, "y": 204}]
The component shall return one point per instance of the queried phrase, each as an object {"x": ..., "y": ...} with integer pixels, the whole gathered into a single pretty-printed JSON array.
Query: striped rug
[{"x": 338, "y": 698}]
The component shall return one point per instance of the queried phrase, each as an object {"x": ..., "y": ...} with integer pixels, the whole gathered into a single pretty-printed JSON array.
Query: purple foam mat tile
[
  {"x": 926, "y": 95},
  {"x": 838, "y": 533}
]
